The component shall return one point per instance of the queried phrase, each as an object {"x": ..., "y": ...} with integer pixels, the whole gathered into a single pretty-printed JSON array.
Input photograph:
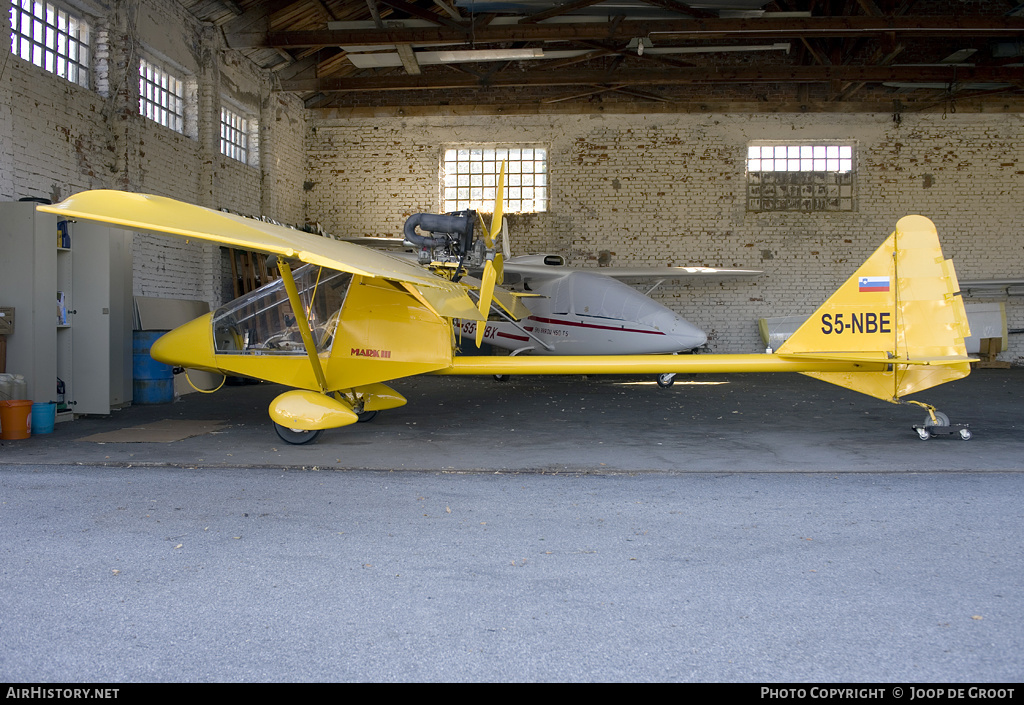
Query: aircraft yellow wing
[{"x": 143, "y": 212}]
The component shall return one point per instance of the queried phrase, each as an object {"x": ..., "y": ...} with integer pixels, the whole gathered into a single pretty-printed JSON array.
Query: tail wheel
[
  {"x": 666, "y": 380},
  {"x": 295, "y": 436}
]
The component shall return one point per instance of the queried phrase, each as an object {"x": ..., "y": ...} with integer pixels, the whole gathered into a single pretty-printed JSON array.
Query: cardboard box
[{"x": 6, "y": 320}]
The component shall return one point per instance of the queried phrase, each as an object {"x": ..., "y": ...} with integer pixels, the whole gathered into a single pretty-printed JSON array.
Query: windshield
[{"x": 262, "y": 322}]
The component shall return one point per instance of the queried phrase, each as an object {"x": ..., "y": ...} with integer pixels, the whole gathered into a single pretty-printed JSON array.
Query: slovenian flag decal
[{"x": 873, "y": 284}]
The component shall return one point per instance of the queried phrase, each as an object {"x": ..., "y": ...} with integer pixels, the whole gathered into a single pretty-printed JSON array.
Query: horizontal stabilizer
[{"x": 878, "y": 357}]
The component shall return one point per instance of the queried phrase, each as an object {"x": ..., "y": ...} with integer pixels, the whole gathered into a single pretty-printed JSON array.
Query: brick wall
[
  {"x": 664, "y": 189},
  {"x": 57, "y": 138},
  {"x": 646, "y": 188}
]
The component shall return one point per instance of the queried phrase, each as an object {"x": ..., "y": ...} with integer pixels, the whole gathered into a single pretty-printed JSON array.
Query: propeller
[
  {"x": 506, "y": 246},
  {"x": 494, "y": 269}
]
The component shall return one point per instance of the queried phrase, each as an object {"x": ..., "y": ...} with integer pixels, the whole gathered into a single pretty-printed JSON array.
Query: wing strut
[{"x": 302, "y": 322}]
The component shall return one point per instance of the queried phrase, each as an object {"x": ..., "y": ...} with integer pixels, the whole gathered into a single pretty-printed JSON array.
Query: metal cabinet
[{"x": 71, "y": 286}]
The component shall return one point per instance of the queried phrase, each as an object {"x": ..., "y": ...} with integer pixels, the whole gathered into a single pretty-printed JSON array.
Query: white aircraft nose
[
  {"x": 686, "y": 335},
  {"x": 611, "y": 300},
  {"x": 680, "y": 334}
]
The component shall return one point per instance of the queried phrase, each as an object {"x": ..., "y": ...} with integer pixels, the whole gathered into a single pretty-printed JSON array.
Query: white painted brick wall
[
  {"x": 57, "y": 139},
  {"x": 655, "y": 189},
  {"x": 663, "y": 189}
]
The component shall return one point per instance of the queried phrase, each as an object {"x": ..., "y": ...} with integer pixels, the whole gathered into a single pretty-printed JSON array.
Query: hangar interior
[{"x": 669, "y": 133}]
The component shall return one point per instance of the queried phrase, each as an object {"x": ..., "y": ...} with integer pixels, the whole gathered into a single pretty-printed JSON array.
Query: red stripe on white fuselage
[{"x": 582, "y": 324}]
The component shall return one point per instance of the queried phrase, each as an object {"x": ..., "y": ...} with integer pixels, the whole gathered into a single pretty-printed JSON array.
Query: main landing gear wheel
[
  {"x": 367, "y": 416},
  {"x": 666, "y": 380},
  {"x": 295, "y": 436}
]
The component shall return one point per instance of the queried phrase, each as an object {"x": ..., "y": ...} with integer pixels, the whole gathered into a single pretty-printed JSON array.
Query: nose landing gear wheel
[{"x": 295, "y": 436}]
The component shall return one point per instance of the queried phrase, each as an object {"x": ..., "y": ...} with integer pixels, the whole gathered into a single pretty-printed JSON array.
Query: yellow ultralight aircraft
[{"x": 344, "y": 319}]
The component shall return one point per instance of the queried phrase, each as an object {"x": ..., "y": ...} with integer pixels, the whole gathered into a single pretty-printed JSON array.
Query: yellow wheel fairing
[
  {"x": 305, "y": 410},
  {"x": 376, "y": 397}
]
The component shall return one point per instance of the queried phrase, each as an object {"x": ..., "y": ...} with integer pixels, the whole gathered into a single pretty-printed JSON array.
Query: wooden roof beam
[
  {"x": 558, "y": 10},
  {"x": 681, "y": 8},
  {"x": 419, "y": 12},
  {"x": 674, "y": 76},
  {"x": 671, "y": 30}
]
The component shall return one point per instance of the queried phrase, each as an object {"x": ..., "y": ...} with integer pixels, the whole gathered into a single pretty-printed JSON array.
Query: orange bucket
[{"x": 15, "y": 419}]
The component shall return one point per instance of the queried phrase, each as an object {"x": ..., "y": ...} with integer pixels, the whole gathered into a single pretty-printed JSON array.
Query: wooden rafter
[
  {"x": 680, "y": 8},
  {"x": 558, "y": 10},
  {"x": 677, "y": 76},
  {"x": 838, "y": 57},
  {"x": 677, "y": 30},
  {"x": 416, "y": 11}
]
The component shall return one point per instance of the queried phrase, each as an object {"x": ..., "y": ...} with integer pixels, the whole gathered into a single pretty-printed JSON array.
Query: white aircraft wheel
[
  {"x": 666, "y": 380},
  {"x": 296, "y": 436},
  {"x": 367, "y": 416},
  {"x": 965, "y": 434},
  {"x": 942, "y": 419}
]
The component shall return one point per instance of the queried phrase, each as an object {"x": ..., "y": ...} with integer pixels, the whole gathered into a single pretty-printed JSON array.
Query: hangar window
[
  {"x": 801, "y": 177},
  {"x": 235, "y": 136},
  {"x": 161, "y": 96},
  {"x": 469, "y": 175},
  {"x": 51, "y": 38}
]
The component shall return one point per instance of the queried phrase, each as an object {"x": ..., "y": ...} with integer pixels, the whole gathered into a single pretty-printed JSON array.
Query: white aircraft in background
[
  {"x": 574, "y": 311},
  {"x": 592, "y": 312}
]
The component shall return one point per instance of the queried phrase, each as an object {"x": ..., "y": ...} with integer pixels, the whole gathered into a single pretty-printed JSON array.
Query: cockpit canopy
[{"x": 262, "y": 322}]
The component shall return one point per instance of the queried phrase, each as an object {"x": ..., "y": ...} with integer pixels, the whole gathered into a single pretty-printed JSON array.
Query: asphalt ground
[
  {"x": 126, "y": 575},
  {"x": 708, "y": 423},
  {"x": 749, "y": 529}
]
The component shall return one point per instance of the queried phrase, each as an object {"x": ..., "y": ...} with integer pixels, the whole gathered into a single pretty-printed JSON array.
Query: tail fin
[{"x": 902, "y": 305}]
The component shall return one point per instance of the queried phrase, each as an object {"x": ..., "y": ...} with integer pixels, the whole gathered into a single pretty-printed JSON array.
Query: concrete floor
[
  {"x": 753, "y": 528},
  {"x": 714, "y": 423}
]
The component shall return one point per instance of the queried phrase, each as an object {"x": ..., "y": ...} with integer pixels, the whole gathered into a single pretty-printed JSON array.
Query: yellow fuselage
[{"x": 383, "y": 333}]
